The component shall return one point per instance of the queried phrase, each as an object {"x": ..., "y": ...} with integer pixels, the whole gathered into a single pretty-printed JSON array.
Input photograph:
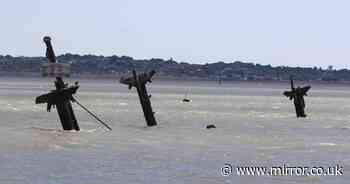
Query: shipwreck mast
[{"x": 139, "y": 82}]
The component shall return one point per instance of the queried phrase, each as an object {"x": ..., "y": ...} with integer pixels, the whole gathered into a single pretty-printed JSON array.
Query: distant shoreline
[
  {"x": 163, "y": 79},
  {"x": 93, "y": 66}
]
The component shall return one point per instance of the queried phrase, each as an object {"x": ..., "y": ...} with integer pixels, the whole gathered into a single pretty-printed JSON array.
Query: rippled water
[{"x": 256, "y": 126}]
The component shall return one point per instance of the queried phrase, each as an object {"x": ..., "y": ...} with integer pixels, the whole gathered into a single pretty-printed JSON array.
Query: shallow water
[{"x": 256, "y": 126}]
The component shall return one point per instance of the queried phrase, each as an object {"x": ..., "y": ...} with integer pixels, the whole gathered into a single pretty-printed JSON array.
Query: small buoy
[{"x": 211, "y": 126}]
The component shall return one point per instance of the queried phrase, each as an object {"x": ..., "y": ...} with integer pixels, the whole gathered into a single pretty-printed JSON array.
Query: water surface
[{"x": 256, "y": 126}]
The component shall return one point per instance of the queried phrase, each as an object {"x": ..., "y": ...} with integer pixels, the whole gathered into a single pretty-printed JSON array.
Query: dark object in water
[
  {"x": 298, "y": 95},
  {"x": 211, "y": 126},
  {"x": 139, "y": 82},
  {"x": 186, "y": 100},
  {"x": 61, "y": 98},
  {"x": 220, "y": 78}
]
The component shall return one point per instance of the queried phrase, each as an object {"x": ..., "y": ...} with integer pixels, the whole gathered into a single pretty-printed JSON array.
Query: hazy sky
[{"x": 277, "y": 32}]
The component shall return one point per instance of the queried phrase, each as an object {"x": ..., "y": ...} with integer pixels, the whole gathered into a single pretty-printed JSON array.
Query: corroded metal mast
[
  {"x": 139, "y": 82},
  {"x": 53, "y": 68},
  {"x": 61, "y": 97},
  {"x": 297, "y": 94},
  {"x": 50, "y": 54}
]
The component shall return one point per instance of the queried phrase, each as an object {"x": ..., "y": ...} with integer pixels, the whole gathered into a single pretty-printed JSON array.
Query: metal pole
[{"x": 93, "y": 115}]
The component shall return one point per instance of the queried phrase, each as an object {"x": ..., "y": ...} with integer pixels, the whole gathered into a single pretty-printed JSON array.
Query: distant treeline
[{"x": 118, "y": 65}]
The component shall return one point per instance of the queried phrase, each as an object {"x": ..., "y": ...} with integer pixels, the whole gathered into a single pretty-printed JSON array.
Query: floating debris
[
  {"x": 211, "y": 126},
  {"x": 186, "y": 100}
]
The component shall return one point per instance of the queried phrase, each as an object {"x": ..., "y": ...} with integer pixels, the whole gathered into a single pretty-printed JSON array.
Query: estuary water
[{"x": 256, "y": 126}]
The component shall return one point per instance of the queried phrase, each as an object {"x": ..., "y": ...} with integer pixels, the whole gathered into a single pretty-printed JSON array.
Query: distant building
[{"x": 55, "y": 69}]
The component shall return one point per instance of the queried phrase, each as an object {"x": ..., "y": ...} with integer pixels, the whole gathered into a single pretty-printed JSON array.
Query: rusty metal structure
[
  {"x": 297, "y": 94},
  {"x": 139, "y": 82},
  {"x": 61, "y": 98},
  {"x": 53, "y": 68}
]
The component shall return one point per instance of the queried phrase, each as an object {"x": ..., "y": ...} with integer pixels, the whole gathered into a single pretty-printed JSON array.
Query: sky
[{"x": 276, "y": 32}]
